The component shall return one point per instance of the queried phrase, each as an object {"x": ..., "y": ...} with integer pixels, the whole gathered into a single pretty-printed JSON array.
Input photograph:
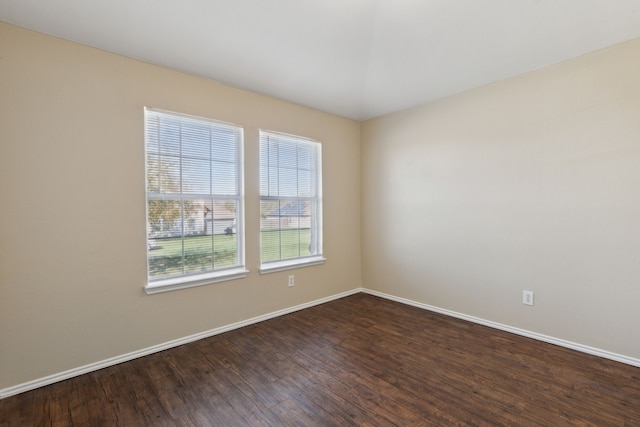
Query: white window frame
[
  {"x": 316, "y": 227},
  {"x": 187, "y": 280}
]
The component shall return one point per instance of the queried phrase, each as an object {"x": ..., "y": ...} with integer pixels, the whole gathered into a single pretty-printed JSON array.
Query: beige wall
[
  {"x": 530, "y": 183},
  {"x": 72, "y": 206}
]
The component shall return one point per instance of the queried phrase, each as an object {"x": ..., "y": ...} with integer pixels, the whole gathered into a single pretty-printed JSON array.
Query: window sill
[
  {"x": 273, "y": 267},
  {"x": 174, "y": 284}
]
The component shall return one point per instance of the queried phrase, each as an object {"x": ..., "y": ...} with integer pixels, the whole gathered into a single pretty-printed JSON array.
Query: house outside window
[
  {"x": 290, "y": 202},
  {"x": 194, "y": 201}
]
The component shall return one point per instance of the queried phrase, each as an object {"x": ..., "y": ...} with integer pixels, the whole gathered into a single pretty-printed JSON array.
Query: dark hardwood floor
[{"x": 360, "y": 360}]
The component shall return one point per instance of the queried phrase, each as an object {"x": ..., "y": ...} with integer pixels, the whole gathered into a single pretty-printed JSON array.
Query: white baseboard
[
  {"x": 540, "y": 337},
  {"x": 31, "y": 385}
]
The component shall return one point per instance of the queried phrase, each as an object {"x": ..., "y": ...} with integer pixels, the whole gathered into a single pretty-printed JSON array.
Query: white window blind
[
  {"x": 194, "y": 199},
  {"x": 290, "y": 201}
]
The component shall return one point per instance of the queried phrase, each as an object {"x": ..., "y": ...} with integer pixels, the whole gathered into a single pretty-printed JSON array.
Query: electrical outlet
[
  {"x": 527, "y": 297},
  {"x": 292, "y": 281}
]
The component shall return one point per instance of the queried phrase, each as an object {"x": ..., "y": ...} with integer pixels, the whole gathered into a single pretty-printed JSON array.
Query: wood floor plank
[{"x": 360, "y": 360}]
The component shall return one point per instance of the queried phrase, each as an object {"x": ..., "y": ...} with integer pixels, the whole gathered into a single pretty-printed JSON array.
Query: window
[
  {"x": 194, "y": 201},
  {"x": 290, "y": 202}
]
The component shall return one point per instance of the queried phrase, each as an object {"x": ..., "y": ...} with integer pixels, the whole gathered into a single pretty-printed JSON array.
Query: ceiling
[{"x": 355, "y": 58}]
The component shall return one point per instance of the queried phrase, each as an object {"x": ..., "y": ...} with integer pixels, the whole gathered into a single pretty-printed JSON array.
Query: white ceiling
[{"x": 355, "y": 58}]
